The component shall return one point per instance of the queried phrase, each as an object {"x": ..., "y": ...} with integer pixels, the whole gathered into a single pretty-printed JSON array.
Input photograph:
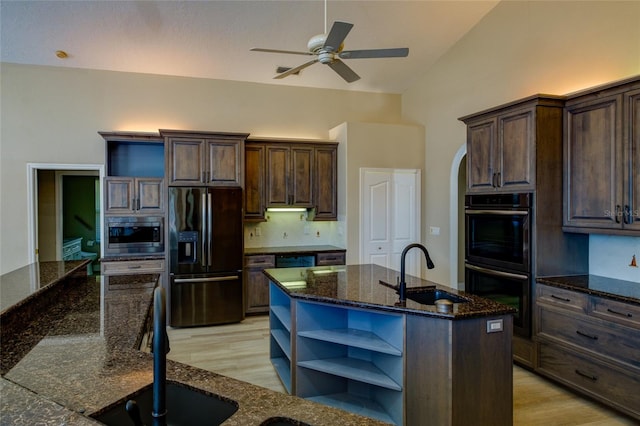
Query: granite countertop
[
  {"x": 131, "y": 257},
  {"x": 85, "y": 358},
  {"x": 292, "y": 249},
  {"x": 621, "y": 290},
  {"x": 360, "y": 286},
  {"x": 17, "y": 287}
]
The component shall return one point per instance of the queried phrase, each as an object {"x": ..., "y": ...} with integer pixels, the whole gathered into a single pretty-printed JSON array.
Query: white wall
[
  {"x": 518, "y": 49},
  {"x": 53, "y": 114},
  {"x": 371, "y": 145}
]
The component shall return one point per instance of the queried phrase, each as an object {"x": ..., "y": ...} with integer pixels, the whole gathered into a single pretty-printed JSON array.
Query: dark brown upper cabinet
[
  {"x": 290, "y": 173},
  {"x": 502, "y": 143},
  {"x": 204, "y": 158},
  {"x": 602, "y": 159}
]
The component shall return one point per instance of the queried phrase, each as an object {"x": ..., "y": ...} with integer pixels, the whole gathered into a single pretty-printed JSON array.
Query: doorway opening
[
  {"x": 457, "y": 190},
  {"x": 65, "y": 218}
]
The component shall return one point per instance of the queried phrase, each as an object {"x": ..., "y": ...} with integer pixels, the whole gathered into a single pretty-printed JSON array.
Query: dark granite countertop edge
[
  {"x": 131, "y": 257},
  {"x": 44, "y": 289},
  {"x": 399, "y": 309},
  {"x": 292, "y": 249},
  {"x": 577, "y": 282},
  {"x": 483, "y": 308}
]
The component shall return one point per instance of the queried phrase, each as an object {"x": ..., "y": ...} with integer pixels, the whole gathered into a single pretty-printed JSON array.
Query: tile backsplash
[
  {"x": 610, "y": 256},
  {"x": 293, "y": 229}
]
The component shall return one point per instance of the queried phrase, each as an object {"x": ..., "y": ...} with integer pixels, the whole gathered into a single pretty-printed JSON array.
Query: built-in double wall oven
[{"x": 497, "y": 252}]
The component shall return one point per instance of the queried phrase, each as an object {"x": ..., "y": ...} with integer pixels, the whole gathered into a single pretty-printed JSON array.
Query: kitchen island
[
  {"x": 341, "y": 336},
  {"x": 79, "y": 354}
]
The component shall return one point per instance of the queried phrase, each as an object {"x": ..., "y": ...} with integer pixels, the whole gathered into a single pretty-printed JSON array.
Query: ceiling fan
[{"x": 328, "y": 50}]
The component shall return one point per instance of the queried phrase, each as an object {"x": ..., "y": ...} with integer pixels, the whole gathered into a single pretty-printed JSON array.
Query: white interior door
[{"x": 389, "y": 217}]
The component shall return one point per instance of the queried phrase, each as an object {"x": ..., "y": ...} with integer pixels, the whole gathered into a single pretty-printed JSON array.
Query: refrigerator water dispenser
[{"x": 187, "y": 246}]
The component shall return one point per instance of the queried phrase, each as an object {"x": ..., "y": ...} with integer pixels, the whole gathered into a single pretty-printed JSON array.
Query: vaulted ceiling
[{"x": 212, "y": 39}]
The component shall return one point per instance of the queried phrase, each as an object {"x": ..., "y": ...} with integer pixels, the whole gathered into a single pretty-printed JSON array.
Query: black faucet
[
  {"x": 160, "y": 348},
  {"x": 402, "y": 290}
]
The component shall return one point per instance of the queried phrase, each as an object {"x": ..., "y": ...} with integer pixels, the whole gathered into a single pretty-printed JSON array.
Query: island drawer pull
[
  {"x": 623, "y": 314},
  {"x": 564, "y": 299},
  {"x": 590, "y": 336},
  {"x": 134, "y": 266},
  {"x": 585, "y": 375}
]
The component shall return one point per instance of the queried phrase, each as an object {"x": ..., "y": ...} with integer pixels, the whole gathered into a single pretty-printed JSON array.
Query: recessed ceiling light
[{"x": 61, "y": 54}]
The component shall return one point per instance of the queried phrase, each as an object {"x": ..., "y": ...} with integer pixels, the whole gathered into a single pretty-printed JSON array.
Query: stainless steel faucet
[{"x": 402, "y": 290}]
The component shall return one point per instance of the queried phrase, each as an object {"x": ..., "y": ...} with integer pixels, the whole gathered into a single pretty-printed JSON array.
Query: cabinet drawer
[
  {"x": 604, "y": 382},
  {"x": 132, "y": 266},
  {"x": 567, "y": 299},
  {"x": 614, "y": 311},
  {"x": 621, "y": 344},
  {"x": 330, "y": 258},
  {"x": 264, "y": 261}
]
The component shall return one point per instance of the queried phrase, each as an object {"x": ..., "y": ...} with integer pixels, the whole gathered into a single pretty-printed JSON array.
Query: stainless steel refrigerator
[{"x": 205, "y": 259}]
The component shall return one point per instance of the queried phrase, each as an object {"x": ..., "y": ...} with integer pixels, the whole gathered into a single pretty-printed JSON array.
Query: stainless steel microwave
[{"x": 134, "y": 235}]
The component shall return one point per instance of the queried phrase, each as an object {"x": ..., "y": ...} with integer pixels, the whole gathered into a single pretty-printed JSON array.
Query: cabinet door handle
[
  {"x": 589, "y": 336},
  {"x": 498, "y": 184},
  {"x": 493, "y": 180},
  {"x": 618, "y": 213},
  {"x": 627, "y": 215},
  {"x": 564, "y": 299},
  {"x": 585, "y": 375},
  {"x": 623, "y": 314}
]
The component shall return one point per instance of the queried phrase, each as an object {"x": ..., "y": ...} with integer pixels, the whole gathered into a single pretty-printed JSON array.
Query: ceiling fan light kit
[{"x": 328, "y": 49}]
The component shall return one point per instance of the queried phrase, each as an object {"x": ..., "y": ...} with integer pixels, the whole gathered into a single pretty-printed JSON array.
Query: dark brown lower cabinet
[
  {"x": 256, "y": 283},
  {"x": 590, "y": 344}
]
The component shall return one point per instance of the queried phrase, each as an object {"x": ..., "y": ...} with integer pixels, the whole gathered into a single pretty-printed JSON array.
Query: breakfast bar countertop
[
  {"x": 80, "y": 356},
  {"x": 16, "y": 287}
]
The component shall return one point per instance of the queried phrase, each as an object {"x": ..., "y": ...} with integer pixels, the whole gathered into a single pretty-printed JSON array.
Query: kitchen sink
[
  {"x": 185, "y": 406},
  {"x": 430, "y": 295},
  {"x": 282, "y": 421}
]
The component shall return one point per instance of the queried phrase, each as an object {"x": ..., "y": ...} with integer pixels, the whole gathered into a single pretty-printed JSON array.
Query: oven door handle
[
  {"x": 496, "y": 273},
  {"x": 500, "y": 212}
]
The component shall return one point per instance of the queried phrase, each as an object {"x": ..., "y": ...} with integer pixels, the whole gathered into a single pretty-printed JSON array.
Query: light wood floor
[{"x": 241, "y": 351}]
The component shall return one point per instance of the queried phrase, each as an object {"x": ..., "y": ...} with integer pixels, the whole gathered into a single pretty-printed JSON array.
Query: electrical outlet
[
  {"x": 434, "y": 230},
  {"x": 307, "y": 230},
  {"x": 494, "y": 326},
  {"x": 284, "y": 235},
  {"x": 258, "y": 231}
]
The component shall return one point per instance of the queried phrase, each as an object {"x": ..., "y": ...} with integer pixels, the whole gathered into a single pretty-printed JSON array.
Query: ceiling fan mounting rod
[{"x": 325, "y": 16}]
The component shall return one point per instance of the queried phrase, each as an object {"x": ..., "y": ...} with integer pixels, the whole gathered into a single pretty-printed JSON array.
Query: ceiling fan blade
[
  {"x": 345, "y": 72},
  {"x": 336, "y": 36},
  {"x": 375, "y": 53},
  {"x": 258, "y": 49},
  {"x": 296, "y": 69}
]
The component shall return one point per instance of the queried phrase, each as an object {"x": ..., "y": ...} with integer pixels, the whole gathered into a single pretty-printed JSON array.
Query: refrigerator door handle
[
  {"x": 203, "y": 240},
  {"x": 207, "y": 280},
  {"x": 209, "y": 230}
]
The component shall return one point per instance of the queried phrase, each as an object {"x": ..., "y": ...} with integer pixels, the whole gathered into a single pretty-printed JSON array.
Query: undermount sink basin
[
  {"x": 185, "y": 406},
  {"x": 429, "y": 296},
  {"x": 282, "y": 421}
]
